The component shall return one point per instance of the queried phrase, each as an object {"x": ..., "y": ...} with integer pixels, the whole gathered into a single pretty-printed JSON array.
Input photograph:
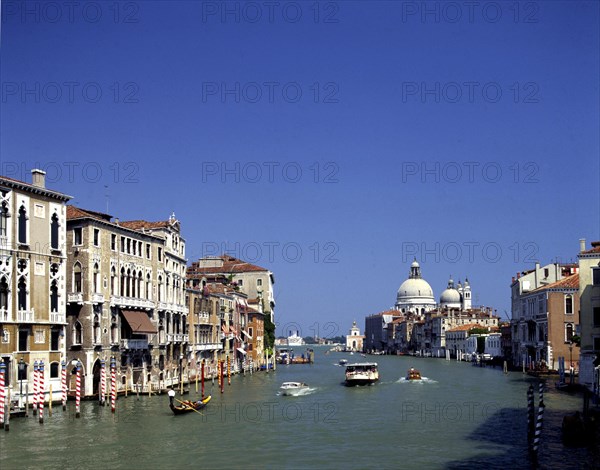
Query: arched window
[
  {"x": 22, "y": 294},
  {"x": 160, "y": 288},
  {"x": 54, "y": 231},
  {"x": 53, "y": 296},
  {"x": 54, "y": 368},
  {"x": 77, "y": 333},
  {"x": 113, "y": 276},
  {"x": 140, "y": 282},
  {"x": 97, "y": 333},
  {"x": 123, "y": 281},
  {"x": 148, "y": 287},
  {"x": 3, "y": 294},
  {"x": 569, "y": 331},
  {"x": 95, "y": 277},
  {"x": 569, "y": 304},
  {"x": 77, "y": 279},
  {"x": 22, "y": 225},
  {"x": 128, "y": 287},
  {"x": 4, "y": 220},
  {"x": 114, "y": 332}
]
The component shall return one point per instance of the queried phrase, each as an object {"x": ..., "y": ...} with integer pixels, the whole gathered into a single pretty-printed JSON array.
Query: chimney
[
  {"x": 581, "y": 245},
  {"x": 38, "y": 178},
  {"x": 117, "y": 221}
]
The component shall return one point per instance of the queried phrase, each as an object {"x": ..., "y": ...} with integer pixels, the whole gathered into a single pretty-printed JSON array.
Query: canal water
[{"x": 459, "y": 416}]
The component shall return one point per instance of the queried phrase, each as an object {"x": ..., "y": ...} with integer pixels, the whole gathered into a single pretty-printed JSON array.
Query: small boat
[
  {"x": 413, "y": 374},
  {"x": 343, "y": 362},
  {"x": 188, "y": 406},
  {"x": 293, "y": 388},
  {"x": 363, "y": 373}
]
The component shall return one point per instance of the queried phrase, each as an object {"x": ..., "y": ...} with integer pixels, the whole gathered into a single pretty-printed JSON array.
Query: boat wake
[
  {"x": 299, "y": 393},
  {"x": 422, "y": 380}
]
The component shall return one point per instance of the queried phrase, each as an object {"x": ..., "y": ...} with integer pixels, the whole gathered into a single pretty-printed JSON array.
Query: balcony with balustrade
[
  {"x": 56, "y": 317},
  {"x": 206, "y": 347},
  {"x": 172, "y": 307},
  {"x": 75, "y": 298},
  {"x": 128, "y": 302},
  {"x": 4, "y": 315},
  {"x": 134, "y": 343},
  {"x": 97, "y": 298},
  {"x": 25, "y": 316}
]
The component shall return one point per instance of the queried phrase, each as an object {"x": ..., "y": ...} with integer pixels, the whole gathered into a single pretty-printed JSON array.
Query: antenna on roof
[{"x": 106, "y": 196}]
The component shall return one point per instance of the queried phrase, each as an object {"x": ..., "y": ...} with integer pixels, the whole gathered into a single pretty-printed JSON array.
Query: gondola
[{"x": 189, "y": 406}]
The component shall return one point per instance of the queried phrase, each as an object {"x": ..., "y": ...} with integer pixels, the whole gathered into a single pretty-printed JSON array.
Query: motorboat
[
  {"x": 413, "y": 374},
  {"x": 343, "y": 362},
  {"x": 293, "y": 388},
  {"x": 363, "y": 373}
]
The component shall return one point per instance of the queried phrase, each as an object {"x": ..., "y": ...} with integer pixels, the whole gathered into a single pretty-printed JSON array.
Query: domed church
[{"x": 416, "y": 296}]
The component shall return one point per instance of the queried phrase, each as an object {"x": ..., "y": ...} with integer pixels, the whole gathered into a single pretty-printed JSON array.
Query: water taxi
[
  {"x": 363, "y": 373},
  {"x": 293, "y": 388},
  {"x": 413, "y": 374}
]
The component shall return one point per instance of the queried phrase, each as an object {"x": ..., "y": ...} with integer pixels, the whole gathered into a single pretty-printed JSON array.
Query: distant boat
[
  {"x": 343, "y": 362},
  {"x": 189, "y": 406},
  {"x": 413, "y": 374},
  {"x": 364, "y": 373},
  {"x": 295, "y": 340},
  {"x": 293, "y": 388}
]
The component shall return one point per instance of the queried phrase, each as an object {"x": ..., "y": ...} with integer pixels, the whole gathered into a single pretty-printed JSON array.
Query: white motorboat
[
  {"x": 293, "y": 388},
  {"x": 343, "y": 362},
  {"x": 364, "y": 373}
]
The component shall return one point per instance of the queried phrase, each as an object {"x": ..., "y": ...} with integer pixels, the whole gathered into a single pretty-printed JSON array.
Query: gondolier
[{"x": 171, "y": 394}]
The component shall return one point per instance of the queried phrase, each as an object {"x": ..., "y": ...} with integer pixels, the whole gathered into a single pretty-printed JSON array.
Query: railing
[
  {"x": 75, "y": 297},
  {"x": 203, "y": 317},
  {"x": 117, "y": 300},
  {"x": 186, "y": 338},
  {"x": 4, "y": 315},
  {"x": 25, "y": 316},
  {"x": 172, "y": 307},
  {"x": 134, "y": 343},
  {"x": 97, "y": 298},
  {"x": 57, "y": 318},
  {"x": 207, "y": 346}
]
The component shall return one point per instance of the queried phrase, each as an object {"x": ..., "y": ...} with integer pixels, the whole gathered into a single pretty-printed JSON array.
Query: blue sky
[{"x": 330, "y": 142}]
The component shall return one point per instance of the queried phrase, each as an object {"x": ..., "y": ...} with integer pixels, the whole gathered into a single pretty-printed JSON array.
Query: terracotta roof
[
  {"x": 571, "y": 282},
  {"x": 77, "y": 213},
  {"x": 466, "y": 327},
  {"x": 144, "y": 224},
  {"x": 595, "y": 249},
  {"x": 230, "y": 265}
]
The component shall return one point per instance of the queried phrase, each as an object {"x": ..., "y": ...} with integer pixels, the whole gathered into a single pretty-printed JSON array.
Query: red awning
[{"x": 139, "y": 322}]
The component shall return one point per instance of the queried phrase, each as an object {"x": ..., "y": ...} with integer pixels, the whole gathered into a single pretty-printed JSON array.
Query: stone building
[
  {"x": 32, "y": 281},
  {"x": 125, "y": 299},
  {"x": 589, "y": 293}
]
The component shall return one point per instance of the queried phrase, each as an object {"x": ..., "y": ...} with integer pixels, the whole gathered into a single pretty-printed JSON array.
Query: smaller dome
[
  {"x": 414, "y": 264},
  {"x": 450, "y": 296}
]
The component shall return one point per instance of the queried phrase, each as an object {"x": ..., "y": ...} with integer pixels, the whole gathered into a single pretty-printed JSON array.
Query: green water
[{"x": 460, "y": 416}]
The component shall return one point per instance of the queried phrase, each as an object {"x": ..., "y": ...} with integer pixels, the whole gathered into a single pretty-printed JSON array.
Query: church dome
[
  {"x": 414, "y": 288},
  {"x": 450, "y": 296}
]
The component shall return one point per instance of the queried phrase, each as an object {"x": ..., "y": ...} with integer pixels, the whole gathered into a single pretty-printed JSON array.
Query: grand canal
[{"x": 459, "y": 417}]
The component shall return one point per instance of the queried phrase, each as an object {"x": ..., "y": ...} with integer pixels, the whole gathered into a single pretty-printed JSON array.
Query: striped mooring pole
[
  {"x": 202, "y": 378},
  {"x": 530, "y": 416},
  {"x": 63, "y": 384},
  {"x": 78, "y": 390},
  {"x": 41, "y": 391},
  {"x": 2, "y": 395},
  {"x": 113, "y": 383},
  {"x": 538, "y": 428},
  {"x": 102, "y": 381},
  {"x": 36, "y": 378}
]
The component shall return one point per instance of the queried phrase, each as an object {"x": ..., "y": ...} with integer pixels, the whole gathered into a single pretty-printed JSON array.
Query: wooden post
[
  {"x": 202, "y": 376},
  {"x": 27, "y": 399},
  {"x": 50, "y": 402},
  {"x": 7, "y": 417}
]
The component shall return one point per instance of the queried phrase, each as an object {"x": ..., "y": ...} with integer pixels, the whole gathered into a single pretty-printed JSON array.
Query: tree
[{"x": 269, "y": 326}]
